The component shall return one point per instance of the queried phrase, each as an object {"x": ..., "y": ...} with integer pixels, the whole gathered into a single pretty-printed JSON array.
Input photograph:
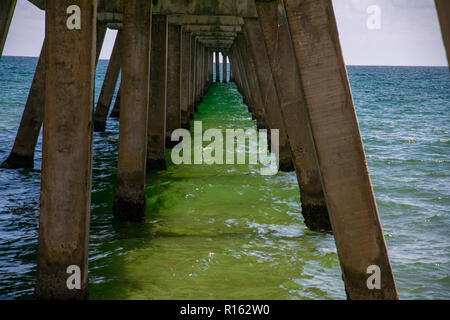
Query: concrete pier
[
  {"x": 7, "y": 8},
  {"x": 216, "y": 57},
  {"x": 340, "y": 154},
  {"x": 156, "y": 144},
  {"x": 129, "y": 199},
  {"x": 109, "y": 85},
  {"x": 224, "y": 68},
  {"x": 271, "y": 104},
  {"x": 283, "y": 67},
  {"x": 285, "y": 57},
  {"x": 185, "y": 81},
  {"x": 115, "y": 113},
  {"x": 66, "y": 152},
  {"x": 173, "y": 117},
  {"x": 22, "y": 153}
]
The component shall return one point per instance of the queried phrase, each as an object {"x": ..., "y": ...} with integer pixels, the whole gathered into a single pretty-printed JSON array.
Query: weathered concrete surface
[
  {"x": 185, "y": 75},
  {"x": 216, "y": 59},
  {"x": 192, "y": 78},
  {"x": 115, "y": 113},
  {"x": 156, "y": 145},
  {"x": 247, "y": 70},
  {"x": 212, "y": 28},
  {"x": 271, "y": 104},
  {"x": 129, "y": 199},
  {"x": 173, "y": 117},
  {"x": 443, "y": 9},
  {"x": 66, "y": 151},
  {"x": 7, "y": 8},
  {"x": 22, "y": 153},
  {"x": 334, "y": 127},
  {"x": 283, "y": 66},
  {"x": 224, "y": 68},
  {"x": 197, "y": 19},
  {"x": 109, "y": 85}
]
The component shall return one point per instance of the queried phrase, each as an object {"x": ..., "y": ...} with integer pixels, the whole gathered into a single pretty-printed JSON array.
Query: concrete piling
[
  {"x": 156, "y": 144},
  {"x": 339, "y": 150},
  {"x": 7, "y": 8},
  {"x": 66, "y": 153},
  {"x": 129, "y": 198},
  {"x": 173, "y": 116},
  {"x": 109, "y": 85},
  {"x": 283, "y": 68}
]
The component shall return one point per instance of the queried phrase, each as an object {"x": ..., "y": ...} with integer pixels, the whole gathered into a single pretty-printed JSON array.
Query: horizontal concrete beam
[
  {"x": 241, "y": 8},
  {"x": 202, "y": 38},
  {"x": 206, "y": 28},
  {"x": 206, "y": 20},
  {"x": 213, "y": 34}
]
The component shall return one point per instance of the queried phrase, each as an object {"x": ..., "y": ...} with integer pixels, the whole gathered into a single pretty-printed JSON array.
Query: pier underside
[{"x": 283, "y": 56}]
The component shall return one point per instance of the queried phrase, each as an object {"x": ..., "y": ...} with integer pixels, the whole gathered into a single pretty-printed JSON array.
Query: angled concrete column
[
  {"x": 268, "y": 91},
  {"x": 109, "y": 85},
  {"x": 252, "y": 92},
  {"x": 173, "y": 117},
  {"x": 115, "y": 113},
  {"x": 22, "y": 153},
  {"x": 224, "y": 68},
  {"x": 283, "y": 66},
  {"x": 156, "y": 146},
  {"x": 66, "y": 152},
  {"x": 7, "y": 8},
  {"x": 334, "y": 128},
  {"x": 129, "y": 199},
  {"x": 185, "y": 70},
  {"x": 192, "y": 77},
  {"x": 443, "y": 9},
  {"x": 217, "y": 66},
  {"x": 231, "y": 70}
]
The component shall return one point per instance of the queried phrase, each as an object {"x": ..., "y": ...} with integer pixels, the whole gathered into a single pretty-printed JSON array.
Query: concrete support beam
[
  {"x": 66, "y": 152},
  {"x": 192, "y": 78},
  {"x": 216, "y": 57},
  {"x": 284, "y": 71},
  {"x": 173, "y": 117},
  {"x": 115, "y": 113},
  {"x": 253, "y": 92},
  {"x": 212, "y": 28},
  {"x": 156, "y": 147},
  {"x": 129, "y": 200},
  {"x": 224, "y": 68},
  {"x": 213, "y": 34},
  {"x": 339, "y": 150},
  {"x": 109, "y": 85},
  {"x": 7, "y": 8},
  {"x": 443, "y": 9},
  {"x": 241, "y": 8},
  {"x": 185, "y": 78},
  {"x": 269, "y": 95},
  {"x": 186, "y": 19},
  {"x": 22, "y": 153}
]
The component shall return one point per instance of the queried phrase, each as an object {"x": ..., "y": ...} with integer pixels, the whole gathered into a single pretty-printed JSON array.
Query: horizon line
[{"x": 348, "y": 65}]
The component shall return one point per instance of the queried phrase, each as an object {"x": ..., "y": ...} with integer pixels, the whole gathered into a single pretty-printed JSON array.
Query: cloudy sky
[{"x": 408, "y": 32}]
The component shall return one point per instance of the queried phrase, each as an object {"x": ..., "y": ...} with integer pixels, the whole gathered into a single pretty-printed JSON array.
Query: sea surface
[{"x": 227, "y": 232}]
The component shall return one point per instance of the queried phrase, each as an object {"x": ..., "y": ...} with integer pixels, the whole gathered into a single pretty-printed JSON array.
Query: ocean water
[{"x": 225, "y": 231}]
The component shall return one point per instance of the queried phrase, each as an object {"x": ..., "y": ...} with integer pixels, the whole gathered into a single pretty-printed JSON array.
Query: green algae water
[{"x": 228, "y": 232}]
